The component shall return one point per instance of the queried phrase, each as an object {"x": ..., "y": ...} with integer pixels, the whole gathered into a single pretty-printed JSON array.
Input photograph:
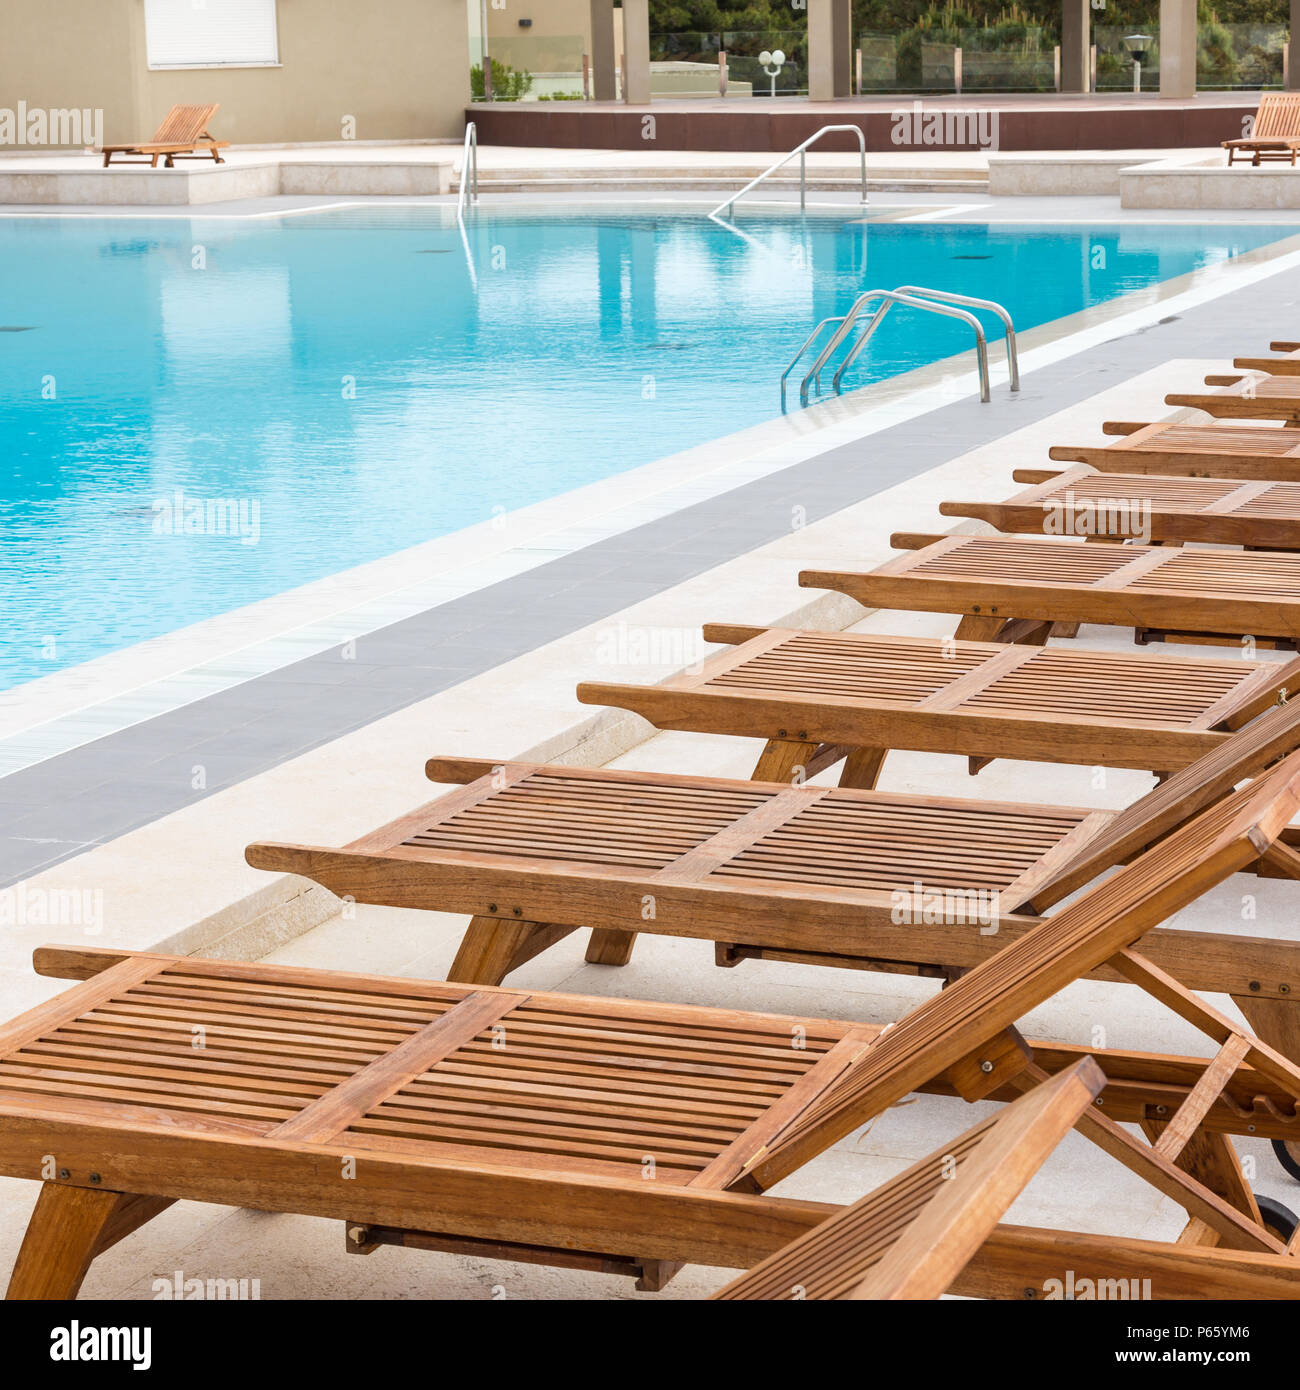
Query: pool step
[{"x": 610, "y": 181}]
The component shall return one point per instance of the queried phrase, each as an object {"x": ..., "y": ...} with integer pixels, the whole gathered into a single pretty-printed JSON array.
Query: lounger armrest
[
  {"x": 731, "y": 634},
  {"x": 1123, "y": 426},
  {"x": 460, "y": 771},
  {"x": 1034, "y": 476},
  {"x": 914, "y": 540},
  {"x": 76, "y": 962}
]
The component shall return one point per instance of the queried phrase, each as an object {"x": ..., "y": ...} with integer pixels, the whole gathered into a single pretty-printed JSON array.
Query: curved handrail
[
  {"x": 800, "y": 150},
  {"x": 468, "y": 169},
  {"x": 948, "y": 310},
  {"x": 948, "y": 297}
]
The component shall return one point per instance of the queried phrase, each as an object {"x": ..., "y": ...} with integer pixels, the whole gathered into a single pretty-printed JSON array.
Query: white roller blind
[{"x": 210, "y": 33}]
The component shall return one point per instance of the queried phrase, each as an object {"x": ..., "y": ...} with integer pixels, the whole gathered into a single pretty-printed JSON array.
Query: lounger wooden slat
[
  {"x": 822, "y": 694},
  {"x": 913, "y": 1236},
  {"x": 570, "y": 1184},
  {"x": 184, "y": 130},
  {"x": 1245, "y": 398},
  {"x": 1244, "y": 451},
  {"x": 1126, "y": 506},
  {"x": 1215, "y": 596},
  {"x": 1274, "y": 133},
  {"x": 833, "y": 876}
]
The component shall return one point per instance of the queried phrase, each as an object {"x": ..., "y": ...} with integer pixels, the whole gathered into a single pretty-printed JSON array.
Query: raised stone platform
[
  {"x": 73, "y": 182},
  {"x": 1050, "y": 121}
]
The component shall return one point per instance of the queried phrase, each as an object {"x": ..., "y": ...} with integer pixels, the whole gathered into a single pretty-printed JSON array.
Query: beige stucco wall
[{"x": 400, "y": 68}]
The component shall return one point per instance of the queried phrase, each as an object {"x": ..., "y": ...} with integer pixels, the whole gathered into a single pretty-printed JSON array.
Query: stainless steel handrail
[
  {"x": 912, "y": 302},
  {"x": 468, "y": 169},
  {"x": 802, "y": 152},
  {"x": 993, "y": 307},
  {"x": 912, "y": 296}
]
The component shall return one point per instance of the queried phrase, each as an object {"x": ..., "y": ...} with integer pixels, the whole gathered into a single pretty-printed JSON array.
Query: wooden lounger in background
[
  {"x": 819, "y": 697},
  {"x": 1274, "y": 133},
  {"x": 814, "y": 875},
  {"x": 1195, "y": 451},
  {"x": 183, "y": 131},
  {"x": 1245, "y": 398},
  {"x": 1127, "y": 506},
  {"x": 1017, "y": 587},
  {"x": 499, "y": 1121}
]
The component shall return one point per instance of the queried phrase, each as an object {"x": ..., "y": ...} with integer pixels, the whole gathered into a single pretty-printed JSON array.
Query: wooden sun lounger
[
  {"x": 519, "y": 1125},
  {"x": 1009, "y": 587},
  {"x": 1274, "y": 133},
  {"x": 815, "y": 875},
  {"x": 912, "y": 1237},
  {"x": 1288, "y": 364},
  {"x": 1270, "y": 452},
  {"x": 183, "y": 131},
  {"x": 1246, "y": 398},
  {"x": 1127, "y": 506},
  {"x": 818, "y": 697}
]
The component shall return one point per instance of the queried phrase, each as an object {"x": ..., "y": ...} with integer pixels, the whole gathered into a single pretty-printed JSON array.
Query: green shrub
[{"x": 508, "y": 84}]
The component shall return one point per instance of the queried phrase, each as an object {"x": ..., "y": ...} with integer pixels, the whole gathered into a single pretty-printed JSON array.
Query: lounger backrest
[
  {"x": 1278, "y": 116},
  {"x": 184, "y": 124},
  {"x": 912, "y": 1236},
  {"x": 1271, "y": 736},
  {"x": 979, "y": 1006}
]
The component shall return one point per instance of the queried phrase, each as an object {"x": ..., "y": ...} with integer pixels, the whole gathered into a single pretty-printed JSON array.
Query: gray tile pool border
[{"x": 103, "y": 789}]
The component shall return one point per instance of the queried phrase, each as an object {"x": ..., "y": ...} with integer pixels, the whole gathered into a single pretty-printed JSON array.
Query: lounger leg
[
  {"x": 862, "y": 768},
  {"x": 978, "y": 627},
  {"x": 68, "y": 1228},
  {"x": 492, "y": 947},
  {"x": 781, "y": 759},
  {"x": 610, "y": 947},
  {"x": 1273, "y": 1021}
]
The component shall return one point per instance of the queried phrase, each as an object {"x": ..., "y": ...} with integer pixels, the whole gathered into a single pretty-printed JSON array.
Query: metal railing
[
  {"x": 913, "y": 297},
  {"x": 802, "y": 152},
  {"x": 468, "y": 169}
]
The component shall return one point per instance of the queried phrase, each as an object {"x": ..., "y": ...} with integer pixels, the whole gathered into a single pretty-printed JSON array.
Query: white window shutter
[{"x": 210, "y": 33}]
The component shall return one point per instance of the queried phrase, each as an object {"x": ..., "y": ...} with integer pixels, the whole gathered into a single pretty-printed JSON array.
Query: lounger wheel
[
  {"x": 1287, "y": 1153},
  {"x": 1279, "y": 1220}
]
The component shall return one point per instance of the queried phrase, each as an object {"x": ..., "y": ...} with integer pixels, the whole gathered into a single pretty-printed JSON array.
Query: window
[{"x": 210, "y": 33}]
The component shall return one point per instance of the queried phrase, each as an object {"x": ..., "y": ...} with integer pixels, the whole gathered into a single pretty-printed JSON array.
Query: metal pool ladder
[
  {"x": 468, "y": 169},
  {"x": 802, "y": 152},
  {"x": 913, "y": 297}
]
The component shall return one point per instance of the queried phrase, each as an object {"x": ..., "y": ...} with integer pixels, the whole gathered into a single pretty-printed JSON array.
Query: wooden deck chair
[
  {"x": 1128, "y": 506},
  {"x": 521, "y": 1125},
  {"x": 1245, "y": 398},
  {"x": 184, "y": 130},
  {"x": 1018, "y": 587},
  {"x": 819, "y": 697},
  {"x": 1247, "y": 452},
  {"x": 1274, "y": 133},
  {"x": 1288, "y": 364},
  {"x": 815, "y": 875},
  {"x": 912, "y": 1237}
]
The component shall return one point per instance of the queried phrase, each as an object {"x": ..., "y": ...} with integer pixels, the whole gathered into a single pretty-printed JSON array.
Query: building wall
[{"x": 399, "y": 68}]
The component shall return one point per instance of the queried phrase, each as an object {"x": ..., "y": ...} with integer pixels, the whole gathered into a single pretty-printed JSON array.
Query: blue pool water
[{"x": 348, "y": 386}]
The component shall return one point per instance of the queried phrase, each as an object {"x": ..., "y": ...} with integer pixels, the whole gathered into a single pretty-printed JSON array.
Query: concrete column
[
  {"x": 603, "y": 84},
  {"x": 1293, "y": 55},
  {"x": 1076, "y": 37},
  {"x": 1178, "y": 48},
  {"x": 830, "y": 49},
  {"x": 636, "y": 51}
]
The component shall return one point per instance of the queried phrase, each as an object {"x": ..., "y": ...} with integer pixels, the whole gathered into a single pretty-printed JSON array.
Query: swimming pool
[{"x": 196, "y": 413}]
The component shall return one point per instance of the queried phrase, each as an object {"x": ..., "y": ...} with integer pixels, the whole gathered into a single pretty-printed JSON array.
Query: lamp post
[
  {"x": 772, "y": 63},
  {"x": 1137, "y": 45}
]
